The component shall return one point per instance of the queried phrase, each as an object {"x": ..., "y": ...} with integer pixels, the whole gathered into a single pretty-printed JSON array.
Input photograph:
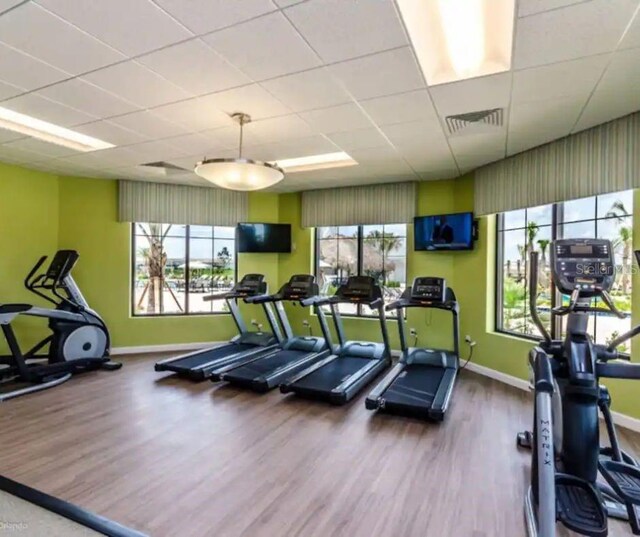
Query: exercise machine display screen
[
  {"x": 299, "y": 286},
  {"x": 584, "y": 264},
  {"x": 61, "y": 265},
  {"x": 358, "y": 288},
  {"x": 250, "y": 284},
  {"x": 428, "y": 288}
]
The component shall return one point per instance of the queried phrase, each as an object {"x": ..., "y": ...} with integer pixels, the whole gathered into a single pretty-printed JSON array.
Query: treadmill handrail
[{"x": 259, "y": 299}]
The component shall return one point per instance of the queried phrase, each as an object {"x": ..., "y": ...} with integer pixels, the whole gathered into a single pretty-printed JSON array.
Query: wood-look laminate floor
[{"x": 174, "y": 458}]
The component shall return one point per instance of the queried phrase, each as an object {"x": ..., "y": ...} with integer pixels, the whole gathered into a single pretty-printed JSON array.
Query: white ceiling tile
[
  {"x": 190, "y": 144},
  {"x": 438, "y": 175},
  {"x": 309, "y": 90},
  {"x": 8, "y": 136},
  {"x": 130, "y": 26},
  {"x": 617, "y": 94},
  {"x": 110, "y": 132},
  {"x": 576, "y": 31},
  {"x": 278, "y": 129},
  {"x": 148, "y": 124},
  {"x": 472, "y": 95},
  {"x": 44, "y": 149},
  {"x": 430, "y": 161},
  {"x": 6, "y": 5},
  {"x": 575, "y": 77},
  {"x": 557, "y": 116},
  {"x": 202, "y": 16},
  {"x": 300, "y": 147},
  {"x": 338, "y": 30},
  {"x": 632, "y": 36},
  {"x": 154, "y": 151},
  {"x": 45, "y": 36},
  {"x": 47, "y": 110},
  {"x": 265, "y": 47},
  {"x": 252, "y": 100},
  {"x": 26, "y": 72},
  {"x": 16, "y": 155},
  {"x": 401, "y": 108},
  {"x": 414, "y": 134},
  {"x": 137, "y": 84},
  {"x": 194, "y": 67},
  {"x": 479, "y": 149},
  {"x": 195, "y": 114},
  {"x": 107, "y": 158},
  {"x": 86, "y": 97},
  {"x": 282, "y": 3},
  {"x": 358, "y": 139},
  {"x": 7, "y": 91},
  {"x": 519, "y": 141},
  {"x": 341, "y": 118},
  {"x": 532, "y": 7},
  {"x": 394, "y": 71}
]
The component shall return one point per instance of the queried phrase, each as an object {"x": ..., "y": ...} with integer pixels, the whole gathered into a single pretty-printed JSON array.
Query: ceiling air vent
[
  {"x": 163, "y": 168},
  {"x": 460, "y": 122}
]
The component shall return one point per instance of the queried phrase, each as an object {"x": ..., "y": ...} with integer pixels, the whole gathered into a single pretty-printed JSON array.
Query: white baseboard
[
  {"x": 171, "y": 347},
  {"x": 499, "y": 376},
  {"x": 621, "y": 420}
]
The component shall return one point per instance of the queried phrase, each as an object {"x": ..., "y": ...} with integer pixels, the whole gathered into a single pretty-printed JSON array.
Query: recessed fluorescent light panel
[
  {"x": 460, "y": 39},
  {"x": 316, "y": 162},
  {"x": 48, "y": 132}
]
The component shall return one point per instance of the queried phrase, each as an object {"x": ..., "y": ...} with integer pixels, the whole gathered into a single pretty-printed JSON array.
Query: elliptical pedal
[
  {"x": 623, "y": 478},
  {"x": 579, "y": 507}
]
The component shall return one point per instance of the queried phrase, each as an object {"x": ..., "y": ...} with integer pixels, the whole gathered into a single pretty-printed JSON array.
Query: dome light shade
[{"x": 239, "y": 173}]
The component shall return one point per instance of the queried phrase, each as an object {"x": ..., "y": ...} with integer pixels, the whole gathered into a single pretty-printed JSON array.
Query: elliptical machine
[
  {"x": 79, "y": 339},
  {"x": 566, "y": 452}
]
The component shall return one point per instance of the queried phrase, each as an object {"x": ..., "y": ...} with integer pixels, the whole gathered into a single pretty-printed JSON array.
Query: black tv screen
[
  {"x": 443, "y": 232},
  {"x": 264, "y": 238}
]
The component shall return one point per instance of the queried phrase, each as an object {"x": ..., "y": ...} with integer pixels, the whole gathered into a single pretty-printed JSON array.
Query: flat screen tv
[
  {"x": 264, "y": 238},
  {"x": 444, "y": 232}
]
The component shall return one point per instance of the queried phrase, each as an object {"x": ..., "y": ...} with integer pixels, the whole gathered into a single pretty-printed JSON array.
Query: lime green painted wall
[
  {"x": 40, "y": 213},
  {"x": 28, "y": 230}
]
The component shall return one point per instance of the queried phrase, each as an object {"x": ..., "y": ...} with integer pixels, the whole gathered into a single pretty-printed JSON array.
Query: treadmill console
[
  {"x": 584, "y": 264},
  {"x": 359, "y": 289},
  {"x": 299, "y": 287},
  {"x": 429, "y": 289},
  {"x": 250, "y": 285}
]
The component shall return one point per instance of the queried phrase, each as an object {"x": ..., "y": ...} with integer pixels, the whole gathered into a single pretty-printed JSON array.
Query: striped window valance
[
  {"x": 391, "y": 203},
  {"x": 599, "y": 160},
  {"x": 180, "y": 204}
]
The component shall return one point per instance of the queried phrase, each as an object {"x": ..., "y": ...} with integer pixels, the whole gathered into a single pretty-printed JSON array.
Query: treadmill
[
  {"x": 353, "y": 364},
  {"x": 199, "y": 364},
  {"x": 422, "y": 382},
  {"x": 266, "y": 371}
]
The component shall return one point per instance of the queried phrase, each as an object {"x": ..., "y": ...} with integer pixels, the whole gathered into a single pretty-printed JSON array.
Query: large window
[
  {"x": 175, "y": 266},
  {"x": 379, "y": 251},
  {"x": 519, "y": 232}
]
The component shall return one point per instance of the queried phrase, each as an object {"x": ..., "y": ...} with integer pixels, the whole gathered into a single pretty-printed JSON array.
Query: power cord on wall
[{"x": 471, "y": 345}]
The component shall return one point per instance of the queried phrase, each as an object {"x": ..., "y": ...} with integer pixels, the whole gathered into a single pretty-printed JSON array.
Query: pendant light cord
[{"x": 241, "y": 129}]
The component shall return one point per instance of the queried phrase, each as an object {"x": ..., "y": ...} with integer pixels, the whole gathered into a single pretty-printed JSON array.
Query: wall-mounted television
[
  {"x": 263, "y": 238},
  {"x": 444, "y": 232}
]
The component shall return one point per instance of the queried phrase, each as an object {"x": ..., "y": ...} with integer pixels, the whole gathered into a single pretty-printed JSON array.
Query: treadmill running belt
[
  {"x": 332, "y": 374},
  {"x": 265, "y": 365},
  {"x": 218, "y": 352},
  {"x": 415, "y": 386}
]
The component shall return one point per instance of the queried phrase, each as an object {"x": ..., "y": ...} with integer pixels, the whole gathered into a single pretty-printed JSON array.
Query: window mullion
[{"x": 187, "y": 264}]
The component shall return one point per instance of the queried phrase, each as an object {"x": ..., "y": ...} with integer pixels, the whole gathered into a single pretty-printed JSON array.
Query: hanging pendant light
[{"x": 239, "y": 173}]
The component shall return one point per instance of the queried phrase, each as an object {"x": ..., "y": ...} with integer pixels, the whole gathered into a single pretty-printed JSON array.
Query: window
[
  {"x": 175, "y": 266},
  {"x": 379, "y": 251},
  {"x": 608, "y": 217}
]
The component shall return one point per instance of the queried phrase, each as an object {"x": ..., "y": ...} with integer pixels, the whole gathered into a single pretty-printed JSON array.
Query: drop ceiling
[{"x": 159, "y": 78}]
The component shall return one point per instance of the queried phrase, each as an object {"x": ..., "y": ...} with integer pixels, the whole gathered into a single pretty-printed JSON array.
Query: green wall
[{"x": 40, "y": 212}]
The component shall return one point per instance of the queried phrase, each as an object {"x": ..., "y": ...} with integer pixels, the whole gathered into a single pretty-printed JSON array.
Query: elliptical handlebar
[
  {"x": 533, "y": 295},
  {"x": 30, "y": 280}
]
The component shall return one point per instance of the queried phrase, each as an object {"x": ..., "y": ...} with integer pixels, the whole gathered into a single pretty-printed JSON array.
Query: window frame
[
  {"x": 360, "y": 238},
  {"x": 187, "y": 253},
  {"x": 557, "y": 220}
]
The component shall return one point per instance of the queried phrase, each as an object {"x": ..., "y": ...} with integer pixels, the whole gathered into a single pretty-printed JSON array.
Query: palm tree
[
  {"x": 532, "y": 231},
  {"x": 155, "y": 259},
  {"x": 625, "y": 239},
  {"x": 384, "y": 243}
]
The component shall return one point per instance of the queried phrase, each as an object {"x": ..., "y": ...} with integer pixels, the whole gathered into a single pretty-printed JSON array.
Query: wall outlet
[{"x": 469, "y": 341}]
